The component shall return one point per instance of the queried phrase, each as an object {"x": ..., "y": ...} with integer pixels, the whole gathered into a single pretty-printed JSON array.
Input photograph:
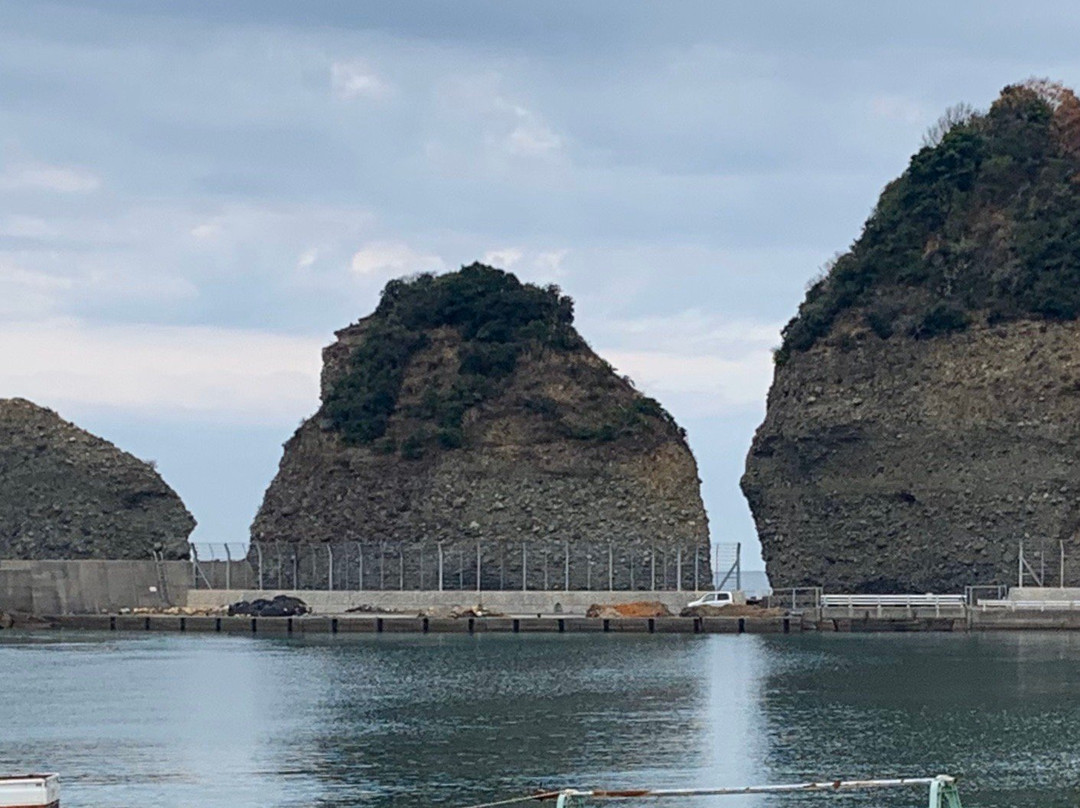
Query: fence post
[
  {"x": 420, "y": 583},
  {"x": 566, "y": 567},
  {"x": 329, "y": 568},
  {"x": 477, "y": 565},
  {"x": 295, "y": 569},
  {"x": 382, "y": 565},
  {"x": 194, "y": 566},
  {"x": 258, "y": 554},
  {"x": 440, "y": 566},
  {"x": 652, "y": 559},
  {"x": 401, "y": 568},
  {"x": 697, "y": 559},
  {"x": 228, "y": 566},
  {"x": 524, "y": 567},
  {"x": 360, "y": 564},
  {"x": 678, "y": 570},
  {"x": 610, "y": 568},
  {"x": 738, "y": 565},
  {"x": 546, "y": 587},
  {"x": 588, "y": 571}
]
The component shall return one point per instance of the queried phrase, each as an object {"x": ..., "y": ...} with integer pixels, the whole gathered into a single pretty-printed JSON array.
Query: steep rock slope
[
  {"x": 925, "y": 411},
  {"x": 468, "y": 409},
  {"x": 67, "y": 494}
]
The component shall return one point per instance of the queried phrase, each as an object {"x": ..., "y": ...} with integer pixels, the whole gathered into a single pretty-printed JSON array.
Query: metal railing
[
  {"x": 894, "y": 601},
  {"x": 460, "y": 566},
  {"x": 802, "y": 598}
]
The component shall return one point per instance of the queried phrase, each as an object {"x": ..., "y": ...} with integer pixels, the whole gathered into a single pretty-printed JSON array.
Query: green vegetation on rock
[
  {"x": 983, "y": 226},
  {"x": 497, "y": 317}
]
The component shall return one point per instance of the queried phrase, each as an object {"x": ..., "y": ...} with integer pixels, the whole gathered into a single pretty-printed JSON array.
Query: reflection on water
[{"x": 175, "y": 720}]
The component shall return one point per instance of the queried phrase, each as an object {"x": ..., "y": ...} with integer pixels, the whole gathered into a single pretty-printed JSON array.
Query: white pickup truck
[{"x": 715, "y": 599}]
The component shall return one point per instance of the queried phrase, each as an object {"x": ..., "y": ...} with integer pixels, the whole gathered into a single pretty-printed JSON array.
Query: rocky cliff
[
  {"x": 66, "y": 494},
  {"x": 467, "y": 409},
  {"x": 924, "y": 416}
]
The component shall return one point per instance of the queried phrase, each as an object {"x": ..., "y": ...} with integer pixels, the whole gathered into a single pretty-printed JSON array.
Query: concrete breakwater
[
  {"x": 366, "y": 624},
  {"x": 795, "y": 623}
]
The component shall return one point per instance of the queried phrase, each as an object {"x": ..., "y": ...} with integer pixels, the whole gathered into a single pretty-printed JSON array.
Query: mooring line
[{"x": 545, "y": 795}]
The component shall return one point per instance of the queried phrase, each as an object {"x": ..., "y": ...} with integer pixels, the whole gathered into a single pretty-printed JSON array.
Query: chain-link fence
[{"x": 471, "y": 566}]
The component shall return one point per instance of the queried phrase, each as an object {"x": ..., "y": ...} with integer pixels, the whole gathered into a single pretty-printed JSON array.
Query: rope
[{"x": 545, "y": 795}]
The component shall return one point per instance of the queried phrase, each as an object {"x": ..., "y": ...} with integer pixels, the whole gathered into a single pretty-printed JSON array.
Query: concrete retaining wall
[
  {"x": 89, "y": 587},
  {"x": 507, "y": 602},
  {"x": 1008, "y": 620},
  {"x": 1030, "y": 593}
]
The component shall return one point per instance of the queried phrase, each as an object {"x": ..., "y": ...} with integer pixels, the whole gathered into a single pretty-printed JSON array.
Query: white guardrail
[
  {"x": 1030, "y": 605},
  {"x": 879, "y": 603},
  {"x": 893, "y": 601}
]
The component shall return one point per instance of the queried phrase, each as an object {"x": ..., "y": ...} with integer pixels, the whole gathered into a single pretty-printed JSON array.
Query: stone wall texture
[
  {"x": 67, "y": 494},
  {"x": 907, "y": 465}
]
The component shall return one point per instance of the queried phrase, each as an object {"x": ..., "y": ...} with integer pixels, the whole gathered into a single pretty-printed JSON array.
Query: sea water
[{"x": 175, "y": 721}]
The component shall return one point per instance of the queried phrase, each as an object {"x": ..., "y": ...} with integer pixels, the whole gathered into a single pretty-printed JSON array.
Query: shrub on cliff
[
  {"x": 985, "y": 221},
  {"x": 498, "y": 318}
]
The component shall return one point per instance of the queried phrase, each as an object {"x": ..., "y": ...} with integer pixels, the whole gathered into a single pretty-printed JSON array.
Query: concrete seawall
[
  {"x": 87, "y": 587},
  {"x": 506, "y": 602},
  {"x": 354, "y": 624}
]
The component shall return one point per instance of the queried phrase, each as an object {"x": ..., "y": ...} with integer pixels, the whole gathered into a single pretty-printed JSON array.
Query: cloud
[
  {"x": 549, "y": 264},
  {"x": 206, "y": 231},
  {"x": 199, "y": 373},
  {"x": 504, "y": 258},
  {"x": 26, "y": 293},
  {"x": 528, "y": 264},
  {"x": 41, "y": 177},
  {"x": 531, "y": 137},
  {"x": 898, "y": 108},
  {"x": 32, "y": 227},
  {"x": 307, "y": 258},
  {"x": 698, "y": 385},
  {"x": 393, "y": 258},
  {"x": 352, "y": 80},
  {"x": 479, "y": 124},
  {"x": 696, "y": 364}
]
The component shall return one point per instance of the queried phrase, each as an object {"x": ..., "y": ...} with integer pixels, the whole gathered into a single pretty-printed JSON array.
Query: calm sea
[{"x": 190, "y": 721}]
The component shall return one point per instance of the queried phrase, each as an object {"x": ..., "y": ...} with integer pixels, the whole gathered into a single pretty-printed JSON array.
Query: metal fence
[
  {"x": 473, "y": 566},
  {"x": 1043, "y": 563},
  {"x": 805, "y": 598}
]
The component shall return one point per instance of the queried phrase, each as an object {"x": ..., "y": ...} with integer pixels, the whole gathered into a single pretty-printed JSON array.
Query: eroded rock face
[
  {"x": 908, "y": 465},
  {"x": 565, "y": 452},
  {"x": 67, "y": 494}
]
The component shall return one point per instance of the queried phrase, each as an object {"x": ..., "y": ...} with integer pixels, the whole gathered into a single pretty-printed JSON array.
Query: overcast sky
[{"x": 194, "y": 196}]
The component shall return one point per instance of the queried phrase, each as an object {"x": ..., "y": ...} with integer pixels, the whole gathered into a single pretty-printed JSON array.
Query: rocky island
[
  {"x": 67, "y": 494},
  {"x": 468, "y": 410},
  {"x": 924, "y": 416}
]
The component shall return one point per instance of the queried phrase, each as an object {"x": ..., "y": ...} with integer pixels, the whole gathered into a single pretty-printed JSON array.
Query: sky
[{"x": 195, "y": 195}]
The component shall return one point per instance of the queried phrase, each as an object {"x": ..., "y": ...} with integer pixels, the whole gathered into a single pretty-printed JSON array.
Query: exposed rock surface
[
  {"x": 559, "y": 450},
  {"x": 907, "y": 465},
  {"x": 924, "y": 417},
  {"x": 66, "y": 494}
]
